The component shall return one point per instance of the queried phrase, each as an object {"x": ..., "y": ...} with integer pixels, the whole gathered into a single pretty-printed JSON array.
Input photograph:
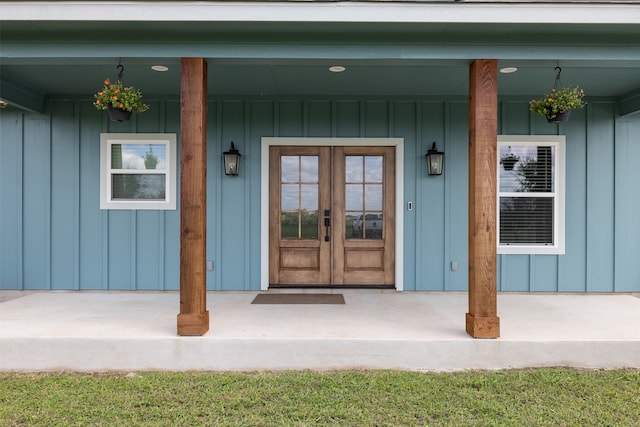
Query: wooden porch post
[
  {"x": 482, "y": 320},
  {"x": 194, "y": 317}
]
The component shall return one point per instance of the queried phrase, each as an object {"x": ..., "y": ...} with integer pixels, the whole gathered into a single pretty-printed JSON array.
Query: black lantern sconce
[
  {"x": 231, "y": 161},
  {"x": 435, "y": 160}
]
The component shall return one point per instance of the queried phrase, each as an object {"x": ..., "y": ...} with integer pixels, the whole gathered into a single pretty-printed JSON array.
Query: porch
[{"x": 129, "y": 331}]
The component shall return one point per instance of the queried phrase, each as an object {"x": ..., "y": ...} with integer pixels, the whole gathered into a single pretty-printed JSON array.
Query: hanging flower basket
[
  {"x": 118, "y": 99},
  {"x": 556, "y": 106}
]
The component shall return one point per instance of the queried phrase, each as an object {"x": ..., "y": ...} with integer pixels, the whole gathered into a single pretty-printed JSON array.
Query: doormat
[{"x": 298, "y": 299}]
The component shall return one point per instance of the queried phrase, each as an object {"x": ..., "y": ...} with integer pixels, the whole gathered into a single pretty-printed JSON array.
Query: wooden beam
[
  {"x": 194, "y": 317},
  {"x": 482, "y": 320}
]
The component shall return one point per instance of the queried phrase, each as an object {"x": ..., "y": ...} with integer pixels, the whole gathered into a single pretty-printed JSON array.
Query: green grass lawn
[{"x": 536, "y": 397}]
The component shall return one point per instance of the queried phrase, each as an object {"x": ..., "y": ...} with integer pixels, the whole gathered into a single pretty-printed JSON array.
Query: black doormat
[{"x": 298, "y": 299}]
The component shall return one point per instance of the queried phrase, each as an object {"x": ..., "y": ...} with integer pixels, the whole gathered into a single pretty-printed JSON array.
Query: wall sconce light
[
  {"x": 231, "y": 161},
  {"x": 435, "y": 160}
]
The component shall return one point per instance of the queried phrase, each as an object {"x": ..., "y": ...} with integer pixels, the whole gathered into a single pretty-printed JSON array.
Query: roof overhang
[{"x": 284, "y": 48}]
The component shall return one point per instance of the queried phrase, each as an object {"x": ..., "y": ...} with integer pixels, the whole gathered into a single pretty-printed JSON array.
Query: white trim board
[
  {"x": 267, "y": 142},
  {"x": 347, "y": 12}
]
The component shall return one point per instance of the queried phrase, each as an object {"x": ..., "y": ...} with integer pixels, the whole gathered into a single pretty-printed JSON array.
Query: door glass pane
[
  {"x": 290, "y": 197},
  {"x": 353, "y": 226},
  {"x": 364, "y": 195},
  {"x": 373, "y": 226},
  {"x": 373, "y": 197},
  {"x": 373, "y": 168},
  {"x": 354, "y": 169},
  {"x": 290, "y": 168},
  {"x": 309, "y": 229},
  {"x": 309, "y": 169},
  {"x": 299, "y": 197},
  {"x": 289, "y": 225},
  {"x": 309, "y": 197},
  {"x": 353, "y": 197}
]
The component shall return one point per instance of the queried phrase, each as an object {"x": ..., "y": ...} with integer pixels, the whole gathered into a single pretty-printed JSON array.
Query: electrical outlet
[{"x": 209, "y": 265}]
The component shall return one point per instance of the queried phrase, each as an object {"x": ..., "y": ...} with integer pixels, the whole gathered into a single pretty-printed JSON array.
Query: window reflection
[
  {"x": 354, "y": 197},
  {"x": 528, "y": 169},
  {"x": 290, "y": 169},
  {"x": 134, "y": 187},
  {"x": 299, "y": 197},
  {"x": 365, "y": 226},
  {"x": 138, "y": 156},
  {"x": 309, "y": 197},
  {"x": 309, "y": 169},
  {"x": 373, "y": 168},
  {"x": 364, "y": 193},
  {"x": 354, "y": 169},
  {"x": 373, "y": 197},
  {"x": 289, "y": 197}
]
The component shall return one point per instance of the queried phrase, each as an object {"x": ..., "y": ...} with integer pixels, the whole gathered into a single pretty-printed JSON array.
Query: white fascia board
[{"x": 347, "y": 12}]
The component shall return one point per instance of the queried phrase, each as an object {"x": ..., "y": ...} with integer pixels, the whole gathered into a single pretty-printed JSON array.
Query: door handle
[{"x": 327, "y": 224}]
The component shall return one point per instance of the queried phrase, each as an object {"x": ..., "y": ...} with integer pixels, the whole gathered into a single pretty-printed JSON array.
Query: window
[
  {"x": 531, "y": 194},
  {"x": 137, "y": 171}
]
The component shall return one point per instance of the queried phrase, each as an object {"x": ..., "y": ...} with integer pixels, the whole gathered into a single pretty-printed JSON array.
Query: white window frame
[
  {"x": 109, "y": 139},
  {"x": 558, "y": 142}
]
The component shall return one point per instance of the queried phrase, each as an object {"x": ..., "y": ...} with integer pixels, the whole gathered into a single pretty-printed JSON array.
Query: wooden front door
[{"x": 331, "y": 215}]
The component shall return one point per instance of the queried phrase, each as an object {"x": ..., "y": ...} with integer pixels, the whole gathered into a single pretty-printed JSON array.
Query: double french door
[{"x": 331, "y": 215}]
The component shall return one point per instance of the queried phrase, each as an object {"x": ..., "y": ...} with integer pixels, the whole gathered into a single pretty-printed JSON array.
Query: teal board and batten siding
[{"x": 54, "y": 236}]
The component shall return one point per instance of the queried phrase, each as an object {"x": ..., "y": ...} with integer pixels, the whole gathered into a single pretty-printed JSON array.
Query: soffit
[{"x": 292, "y": 58}]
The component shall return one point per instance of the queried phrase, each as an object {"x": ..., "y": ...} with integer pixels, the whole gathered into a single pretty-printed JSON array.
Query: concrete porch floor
[{"x": 129, "y": 331}]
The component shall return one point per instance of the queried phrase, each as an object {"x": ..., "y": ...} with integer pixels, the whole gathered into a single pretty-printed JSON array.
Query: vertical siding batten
[
  {"x": 216, "y": 173},
  {"x": 76, "y": 200},
  {"x": 457, "y": 169},
  {"x": 573, "y": 264},
  {"x": 627, "y": 206},
  {"x": 447, "y": 193},
  {"x": 600, "y": 191},
  {"x": 64, "y": 173},
  {"x": 11, "y": 200},
  {"x": 419, "y": 199},
  {"x": 36, "y": 176},
  {"x": 248, "y": 195}
]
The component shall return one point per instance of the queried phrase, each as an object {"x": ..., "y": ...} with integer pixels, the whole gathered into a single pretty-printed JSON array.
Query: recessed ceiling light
[
  {"x": 159, "y": 68},
  {"x": 337, "y": 68},
  {"x": 508, "y": 70}
]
